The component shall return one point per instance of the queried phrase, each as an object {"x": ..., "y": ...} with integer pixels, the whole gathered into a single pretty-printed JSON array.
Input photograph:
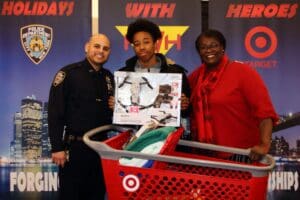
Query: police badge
[
  {"x": 36, "y": 40},
  {"x": 109, "y": 85}
]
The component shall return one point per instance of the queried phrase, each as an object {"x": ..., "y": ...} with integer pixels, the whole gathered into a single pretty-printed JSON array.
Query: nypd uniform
[{"x": 78, "y": 102}]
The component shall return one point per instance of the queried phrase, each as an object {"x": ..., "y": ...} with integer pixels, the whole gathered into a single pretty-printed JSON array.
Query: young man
[{"x": 144, "y": 35}]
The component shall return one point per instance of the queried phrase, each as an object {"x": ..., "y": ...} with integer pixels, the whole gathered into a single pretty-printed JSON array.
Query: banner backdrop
[
  {"x": 36, "y": 39},
  {"x": 179, "y": 27},
  {"x": 265, "y": 35}
]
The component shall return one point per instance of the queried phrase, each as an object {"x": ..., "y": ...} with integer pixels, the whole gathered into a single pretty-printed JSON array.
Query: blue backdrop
[
  {"x": 36, "y": 39},
  {"x": 265, "y": 35},
  {"x": 174, "y": 18}
]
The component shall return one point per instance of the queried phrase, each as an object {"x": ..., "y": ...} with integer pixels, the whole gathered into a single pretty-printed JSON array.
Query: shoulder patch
[{"x": 59, "y": 78}]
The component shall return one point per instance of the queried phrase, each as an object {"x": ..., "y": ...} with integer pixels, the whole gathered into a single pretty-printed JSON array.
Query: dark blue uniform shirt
[{"x": 78, "y": 101}]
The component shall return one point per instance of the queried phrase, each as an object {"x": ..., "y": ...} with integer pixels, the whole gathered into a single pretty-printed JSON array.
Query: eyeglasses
[{"x": 212, "y": 46}]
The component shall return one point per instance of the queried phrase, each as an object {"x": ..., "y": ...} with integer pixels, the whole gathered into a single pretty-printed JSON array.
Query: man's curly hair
[{"x": 143, "y": 25}]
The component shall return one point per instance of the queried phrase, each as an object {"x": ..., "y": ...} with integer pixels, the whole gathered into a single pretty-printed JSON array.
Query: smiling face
[
  {"x": 97, "y": 50},
  {"x": 144, "y": 48},
  {"x": 210, "y": 50}
]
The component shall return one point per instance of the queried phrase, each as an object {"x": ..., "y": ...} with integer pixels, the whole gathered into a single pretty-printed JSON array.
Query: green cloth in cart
[
  {"x": 150, "y": 143},
  {"x": 149, "y": 138}
]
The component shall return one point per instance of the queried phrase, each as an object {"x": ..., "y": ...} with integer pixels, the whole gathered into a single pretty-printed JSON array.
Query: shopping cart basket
[{"x": 179, "y": 175}]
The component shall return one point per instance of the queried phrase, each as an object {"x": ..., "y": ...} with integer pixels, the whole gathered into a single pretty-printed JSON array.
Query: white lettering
[
  {"x": 13, "y": 180},
  {"x": 39, "y": 181},
  {"x": 296, "y": 186},
  {"x": 53, "y": 181},
  {"x": 279, "y": 180},
  {"x": 21, "y": 181},
  {"x": 31, "y": 182}
]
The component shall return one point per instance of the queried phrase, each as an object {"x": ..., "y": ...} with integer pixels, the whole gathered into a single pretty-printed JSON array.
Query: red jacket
[{"x": 237, "y": 104}]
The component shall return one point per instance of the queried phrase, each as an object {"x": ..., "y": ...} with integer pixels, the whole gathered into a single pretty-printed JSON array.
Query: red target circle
[
  {"x": 131, "y": 183},
  {"x": 261, "y": 42}
]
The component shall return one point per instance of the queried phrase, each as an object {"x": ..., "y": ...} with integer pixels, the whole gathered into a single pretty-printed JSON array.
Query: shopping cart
[{"x": 178, "y": 175}]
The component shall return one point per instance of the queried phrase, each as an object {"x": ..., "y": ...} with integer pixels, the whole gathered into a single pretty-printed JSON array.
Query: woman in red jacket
[{"x": 231, "y": 104}]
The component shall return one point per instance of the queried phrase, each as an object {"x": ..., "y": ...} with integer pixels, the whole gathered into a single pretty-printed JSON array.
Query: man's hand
[
  {"x": 111, "y": 102},
  {"x": 184, "y": 102},
  {"x": 59, "y": 158}
]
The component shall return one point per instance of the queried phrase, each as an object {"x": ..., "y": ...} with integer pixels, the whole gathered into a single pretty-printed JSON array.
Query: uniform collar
[{"x": 90, "y": 68}]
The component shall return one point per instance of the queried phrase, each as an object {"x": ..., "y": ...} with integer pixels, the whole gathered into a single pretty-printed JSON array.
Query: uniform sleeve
[
  {"x": 56, "y": 111},
  {"x": 257, "y": 95}
]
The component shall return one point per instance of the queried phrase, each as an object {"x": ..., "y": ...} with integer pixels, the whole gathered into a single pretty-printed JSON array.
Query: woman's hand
[
  {"x": 265, "y": 129},
  {"x": 258, "y": 151}
]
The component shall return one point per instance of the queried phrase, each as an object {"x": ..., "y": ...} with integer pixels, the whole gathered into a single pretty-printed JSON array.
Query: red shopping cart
[{"x": 179, "y": 175}]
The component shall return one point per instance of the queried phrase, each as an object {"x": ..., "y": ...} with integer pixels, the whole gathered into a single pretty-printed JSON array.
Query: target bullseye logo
[
  {"x": 261, "y": 38},
  {"x": 131, "y": 183}
]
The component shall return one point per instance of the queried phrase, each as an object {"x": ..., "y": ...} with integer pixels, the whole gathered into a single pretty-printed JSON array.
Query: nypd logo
[{"x": 36, "y": 40}]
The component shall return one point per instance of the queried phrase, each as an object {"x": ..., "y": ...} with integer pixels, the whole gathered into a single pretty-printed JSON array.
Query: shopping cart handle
[
  {"x": 267, "y": 159},
  {"x": 95, "y": 144},
  {"x": 214, "y": 147},
  {"x": 110, "y": 127},
  {"x": 114, "y": 154}
]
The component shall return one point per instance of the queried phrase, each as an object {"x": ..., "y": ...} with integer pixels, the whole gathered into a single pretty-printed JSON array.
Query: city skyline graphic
[
  {"x": 29, "y": 137},
  {"x": 29, "y": 140}
]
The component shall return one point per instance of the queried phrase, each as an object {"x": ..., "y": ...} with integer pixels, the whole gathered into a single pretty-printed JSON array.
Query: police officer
[{"x": 78, "y": 102}]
